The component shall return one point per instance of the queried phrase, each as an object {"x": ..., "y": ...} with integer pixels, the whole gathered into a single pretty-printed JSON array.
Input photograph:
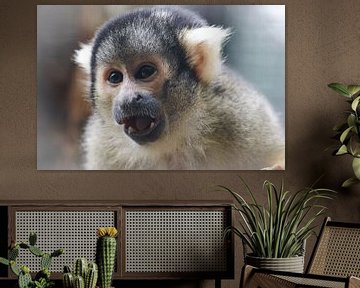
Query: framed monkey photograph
[{"x": 194, "y": 87}]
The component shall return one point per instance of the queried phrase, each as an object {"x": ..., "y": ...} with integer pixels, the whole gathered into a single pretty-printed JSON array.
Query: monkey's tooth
[
  {"x": 152, "y": 125},
  {"x": 131, "y": 130}
]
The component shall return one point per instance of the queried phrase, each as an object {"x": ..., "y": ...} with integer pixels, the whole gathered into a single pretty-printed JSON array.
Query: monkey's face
[
  {"x": 131, "y": 90},
  {"x": 147, "y": 67}
]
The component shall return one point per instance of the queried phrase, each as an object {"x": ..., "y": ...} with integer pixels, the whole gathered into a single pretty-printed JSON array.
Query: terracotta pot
[{"x": 291, "y": 264}]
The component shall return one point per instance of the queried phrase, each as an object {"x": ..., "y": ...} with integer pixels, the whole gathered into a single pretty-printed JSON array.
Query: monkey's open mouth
[
  {"x": 143, "y": 129},
  {"x": 142, "y": 120},
  {"x": 139, "y": 125}
]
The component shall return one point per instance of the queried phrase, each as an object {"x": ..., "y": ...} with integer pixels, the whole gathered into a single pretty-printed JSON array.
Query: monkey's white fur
[
  {"x": 205, "y": 42},
  {"x": 189, "y": 143},
  {"x": 83, "y": 57}
]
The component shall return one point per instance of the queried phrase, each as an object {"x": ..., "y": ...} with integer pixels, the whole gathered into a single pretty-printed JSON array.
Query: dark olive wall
[{"x": 322, "y": 46}]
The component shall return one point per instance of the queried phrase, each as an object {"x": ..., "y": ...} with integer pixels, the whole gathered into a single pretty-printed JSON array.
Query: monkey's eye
[
  {"x": 115, "y": 77},
  {"x": 145, "y": 72}
]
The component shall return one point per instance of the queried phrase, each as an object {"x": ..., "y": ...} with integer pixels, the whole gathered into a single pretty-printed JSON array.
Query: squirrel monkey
[{"x": 162, "y": 98}]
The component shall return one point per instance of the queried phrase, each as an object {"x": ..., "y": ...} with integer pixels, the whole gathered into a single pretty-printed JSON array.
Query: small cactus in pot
[
  {"x": 79, "y": 282},
  {"x": 68, "y": 278},
  {"x": 80, "y": 267},
  {"x": 91, "y": 275},
  {"x": 85, "y": 275},
  {"x": 106, "y": 254}
]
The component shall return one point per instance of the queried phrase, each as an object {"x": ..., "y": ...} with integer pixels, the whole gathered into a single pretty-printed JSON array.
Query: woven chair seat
[{"x": 335, "y": 262}]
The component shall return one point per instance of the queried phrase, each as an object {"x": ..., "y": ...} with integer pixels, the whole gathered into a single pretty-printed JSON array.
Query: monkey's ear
[
  {"x": 203, "y": 47},
  {"x": 82, "y": 57}
]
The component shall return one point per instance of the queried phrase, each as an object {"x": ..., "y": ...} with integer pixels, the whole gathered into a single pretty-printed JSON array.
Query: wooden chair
[{"x": 334, "y": 263}]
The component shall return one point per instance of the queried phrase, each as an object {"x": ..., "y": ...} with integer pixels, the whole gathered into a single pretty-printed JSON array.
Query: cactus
[
  {"x": 80, "y": 267},
  {"x": 44, "y": 273},
  {"x": 68, "y": 280},
  {"x": 45, "y": 261},
  {"x": 14, "y": 268},
  {"x": 91, "y": 276},
  {"x": 67, "y": 269},
  {"x": 32, "y": 238},
  {"x": 79, "y": 282},
  {"x": 105, "y": 254},
  {"x": 13, "y": 253},
  {"x": 24, "y": 245},
  {"x": 36, "y": 251},
  {"x": 88, "y": 273},
  {"x": 25, "y": 269},
  {"x": 24, "y": 277},
  {"x": 57, "y": 253},
  {"x": 42, "y": 278}
]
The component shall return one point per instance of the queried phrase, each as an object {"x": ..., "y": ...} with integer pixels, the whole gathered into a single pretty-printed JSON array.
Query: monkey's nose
[
  {"x": 134, "y": 100},
  {"x": 138, "y": 98},
  {"x": 135, "y": 104}
]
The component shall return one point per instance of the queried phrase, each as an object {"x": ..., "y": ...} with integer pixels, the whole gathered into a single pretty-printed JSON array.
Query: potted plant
[
  {"x": 348, "y": 132},
  {"x": 42, "y": 278},
  {"x": 106, "y": 254},
  {"x": 87, "y": 274},
  {"x": 84, "y": 274},
  {"x": 276, "y": 233}
]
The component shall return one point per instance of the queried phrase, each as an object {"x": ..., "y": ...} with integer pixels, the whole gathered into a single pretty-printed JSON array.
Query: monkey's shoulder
[
  {"x": 234, "y": 102},
  {"x": 240, "y": 118}
]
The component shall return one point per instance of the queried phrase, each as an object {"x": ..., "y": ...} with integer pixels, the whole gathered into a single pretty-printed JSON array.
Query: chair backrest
[{"x": 337, "y": 251}]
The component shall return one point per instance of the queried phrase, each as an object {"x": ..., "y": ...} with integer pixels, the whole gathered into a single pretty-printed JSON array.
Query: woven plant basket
[{"x": 291, "y": 264}]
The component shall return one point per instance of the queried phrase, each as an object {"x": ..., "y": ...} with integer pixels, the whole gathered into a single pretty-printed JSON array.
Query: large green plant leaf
[
  {"x": 341, "y": 89},
  {"x": 342, "y": 150},
  {"x": 354, "y": 145},
  {"x": 353, "y": 89},
  {"x": 351, "y": 120},
  {"x": 348, "y": 132},
  {"x": 356, "y": 167},
  {"x": 355, "y": 103},
  {"x": 349, "y": 182},
  {"x": 345, "y": 134}
]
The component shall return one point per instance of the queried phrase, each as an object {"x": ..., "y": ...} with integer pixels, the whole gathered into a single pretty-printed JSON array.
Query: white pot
[{"x": 291, "y": 264}]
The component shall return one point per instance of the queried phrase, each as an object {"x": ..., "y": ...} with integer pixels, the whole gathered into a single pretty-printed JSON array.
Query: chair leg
[
  {"x": 217, "y": 283},
  {"x": 246, "y": 273},
  {"x": 354, "y": 282}
]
